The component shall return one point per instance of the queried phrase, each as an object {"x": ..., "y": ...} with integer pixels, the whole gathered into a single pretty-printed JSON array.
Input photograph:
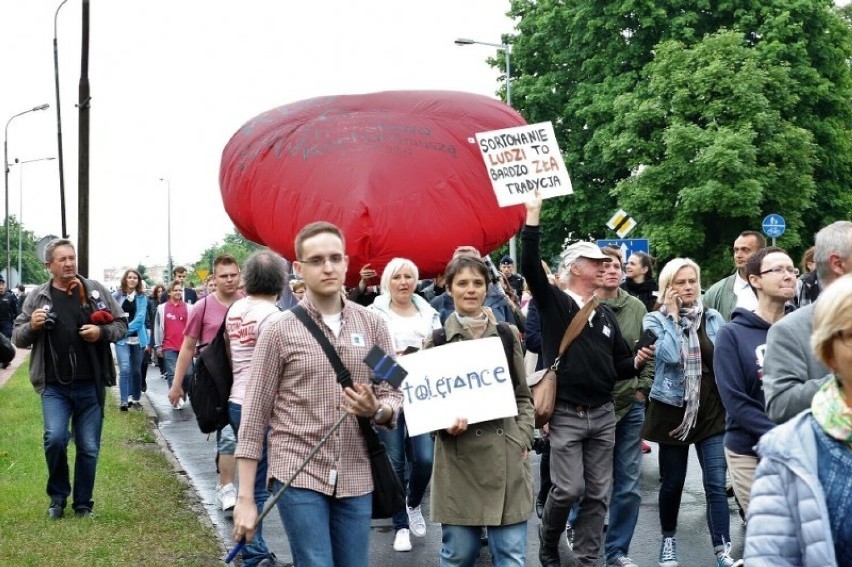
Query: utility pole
[{"x": 83, "y": 104}]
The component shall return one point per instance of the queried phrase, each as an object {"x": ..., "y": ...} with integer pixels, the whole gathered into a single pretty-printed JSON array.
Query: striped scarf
[{"x": 689, "y": 320}]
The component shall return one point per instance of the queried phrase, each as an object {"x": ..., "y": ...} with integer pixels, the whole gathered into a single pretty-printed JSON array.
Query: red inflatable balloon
[{"x": 399, "y": 172}]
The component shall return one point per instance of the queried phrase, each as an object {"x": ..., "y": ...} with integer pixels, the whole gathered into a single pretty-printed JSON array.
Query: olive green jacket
[
  {"x": 629, "y": 312},
  {"x": 483, "y": 477}
]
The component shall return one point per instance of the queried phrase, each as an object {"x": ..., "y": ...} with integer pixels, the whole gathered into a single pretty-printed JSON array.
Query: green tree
[
  {"x": 710, "y": 149},
  {"x": 234, "y": 244},
  {"x": 32, "y": 268},
  {"x": 578, "y": 62}
]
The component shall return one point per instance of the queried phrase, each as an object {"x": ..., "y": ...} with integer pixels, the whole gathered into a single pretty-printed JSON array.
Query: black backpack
[
  {"x": 211, "y": 383},
  {"x": 439, "y": 337}
]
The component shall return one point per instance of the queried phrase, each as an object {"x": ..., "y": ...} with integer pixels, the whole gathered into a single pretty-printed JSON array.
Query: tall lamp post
[
  {"x": 64, "y": 232},
  {"x": 6, "y": 175},
  {"x": 168, "y": 225},
  {"x": 21, "y": 211},
  {"x": 507, "y": 49}
]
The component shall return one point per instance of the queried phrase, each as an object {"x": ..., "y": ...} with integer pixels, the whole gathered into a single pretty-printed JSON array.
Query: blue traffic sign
[
  {"x": 774, "y": 225},
  {"x": 627, "y": 245}
]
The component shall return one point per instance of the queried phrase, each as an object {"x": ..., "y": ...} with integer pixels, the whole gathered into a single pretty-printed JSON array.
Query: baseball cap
[
  {"x": 583, "y": 250},
  {"x": 507, "y": 260}
]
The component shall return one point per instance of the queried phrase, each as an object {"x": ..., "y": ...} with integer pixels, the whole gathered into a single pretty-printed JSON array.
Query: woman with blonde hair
[
  {"x": 411, "y": 320},
  {"x": 800, "y": 499},
  {"x": 684, "y": 407},
  {"x": 131, "y": 348}
]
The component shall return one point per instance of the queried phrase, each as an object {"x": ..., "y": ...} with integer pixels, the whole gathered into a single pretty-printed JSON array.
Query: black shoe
[
  {"x": 123, "y": 407},
  {"x": 56, "y": 510},
  {"x": 83, "y": 513}
]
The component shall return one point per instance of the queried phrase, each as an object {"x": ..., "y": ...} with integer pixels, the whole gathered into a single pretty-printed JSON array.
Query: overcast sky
[{"x": 171, "y": 81}]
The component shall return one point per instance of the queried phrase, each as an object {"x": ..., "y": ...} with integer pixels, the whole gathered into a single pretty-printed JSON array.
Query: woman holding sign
[
  {"x": 482, "y": 475},
  {"x": 410, "y": 319}
]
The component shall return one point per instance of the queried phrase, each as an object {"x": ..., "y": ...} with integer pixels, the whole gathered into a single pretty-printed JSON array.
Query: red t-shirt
[{"x": 175, "y": 320}]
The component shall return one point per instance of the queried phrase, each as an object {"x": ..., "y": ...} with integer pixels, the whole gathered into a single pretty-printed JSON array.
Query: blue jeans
[
  {"x": 626, "y": 497},
  {"x": 256, "y": 551},
  {"x": 325, "y": 531},
  {"x": 130, "y": 371},
  {"x": 673, "y": 463},
  {"x": 460, "y": 545},
  {"x": 170, "y": 360},
  {"x": 76, "y": 403},
  {"x": 421, "y": 450}
]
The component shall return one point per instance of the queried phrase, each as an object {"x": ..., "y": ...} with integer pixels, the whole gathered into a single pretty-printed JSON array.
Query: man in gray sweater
[{"x": 792, "y": 374}]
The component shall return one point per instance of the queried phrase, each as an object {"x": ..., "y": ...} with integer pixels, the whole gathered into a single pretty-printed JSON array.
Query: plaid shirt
[{"x": 294, "y": 389}]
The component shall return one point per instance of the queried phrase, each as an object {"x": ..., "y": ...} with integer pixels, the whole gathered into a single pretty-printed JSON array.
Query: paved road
[{"x": 195, "y": 453}]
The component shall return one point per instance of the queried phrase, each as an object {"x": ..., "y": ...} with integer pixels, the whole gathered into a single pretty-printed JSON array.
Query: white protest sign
[
  {"x": 465, "y": 379},
  {"x": 522, "y": 159}
]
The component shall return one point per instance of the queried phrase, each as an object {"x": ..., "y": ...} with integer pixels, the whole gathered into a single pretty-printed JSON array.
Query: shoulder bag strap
[
  {"x": 344, "y": 377},
  {"x": 575, "y": 327}
]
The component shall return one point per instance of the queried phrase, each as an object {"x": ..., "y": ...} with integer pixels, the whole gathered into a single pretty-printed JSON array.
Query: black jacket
[{"x": 597, "y": 357}]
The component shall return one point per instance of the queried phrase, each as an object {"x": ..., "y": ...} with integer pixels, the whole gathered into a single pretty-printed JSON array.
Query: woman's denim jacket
[{"x": 668, "y": 371}]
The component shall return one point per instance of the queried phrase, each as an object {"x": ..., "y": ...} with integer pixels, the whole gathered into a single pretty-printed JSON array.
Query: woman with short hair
[
  {"x": 482, "y": 474},
  {"x": 411, "y": 320},
  {"x": 800, "y": 499}
]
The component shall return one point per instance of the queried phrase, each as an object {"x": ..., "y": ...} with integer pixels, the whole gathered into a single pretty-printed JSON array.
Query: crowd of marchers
[{"x": 753, "y": 373}]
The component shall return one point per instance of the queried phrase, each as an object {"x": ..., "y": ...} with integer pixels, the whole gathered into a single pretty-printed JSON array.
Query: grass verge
[{"x": 144, "y": 514}]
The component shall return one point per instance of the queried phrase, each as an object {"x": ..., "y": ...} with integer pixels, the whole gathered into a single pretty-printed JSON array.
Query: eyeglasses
[
  {"x": 845, "y": 336},
  {"x": 779, "y": 271},
  {"x": 318, "y": 261}
]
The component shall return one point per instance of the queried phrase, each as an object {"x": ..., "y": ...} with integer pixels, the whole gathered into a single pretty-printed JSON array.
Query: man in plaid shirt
[{"x": 293, "y": 389}]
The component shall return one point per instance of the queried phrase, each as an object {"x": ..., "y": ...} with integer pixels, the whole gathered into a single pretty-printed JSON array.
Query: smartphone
[{"x": 648, "y": 338}]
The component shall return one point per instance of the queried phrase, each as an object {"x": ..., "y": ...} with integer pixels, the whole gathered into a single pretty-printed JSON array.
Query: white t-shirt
[
  {"x": 407, "y": 331},
  {"x": 246, "y": 320}
]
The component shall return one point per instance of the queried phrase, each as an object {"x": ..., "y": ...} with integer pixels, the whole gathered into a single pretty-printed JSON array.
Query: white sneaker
[
  {"x": 416, "y": 522},
  {"x": 227, "y": 496},
  {"x": 402, "y": 541}
]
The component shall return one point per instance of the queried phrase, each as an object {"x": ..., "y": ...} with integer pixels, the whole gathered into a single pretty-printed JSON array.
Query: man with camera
[{"x": 70, "y": 322}]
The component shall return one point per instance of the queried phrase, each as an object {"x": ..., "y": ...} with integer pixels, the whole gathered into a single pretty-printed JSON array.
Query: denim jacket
[{"x": 668, "y": 372}]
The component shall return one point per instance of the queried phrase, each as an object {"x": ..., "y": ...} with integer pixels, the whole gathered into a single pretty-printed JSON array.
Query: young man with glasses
[
  {"x": 293, "y": 394},
  {"x": 738, "y": 363}
]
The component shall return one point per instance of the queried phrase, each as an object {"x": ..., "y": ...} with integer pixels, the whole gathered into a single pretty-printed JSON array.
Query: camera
[{"x": 52, "y": 317}]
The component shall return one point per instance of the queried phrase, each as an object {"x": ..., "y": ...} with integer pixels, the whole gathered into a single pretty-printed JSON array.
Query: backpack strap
[
  {"x": 508, "y": 340},
  {"x": 439, "y": 337}
]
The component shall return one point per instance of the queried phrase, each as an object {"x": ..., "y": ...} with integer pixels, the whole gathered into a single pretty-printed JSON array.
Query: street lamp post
[
  {"x": 21, "y": 211},
  {"x": 6, "y": 176},
  {"x": 507, "y": 49},
  {"x": 168, "y": 225}
]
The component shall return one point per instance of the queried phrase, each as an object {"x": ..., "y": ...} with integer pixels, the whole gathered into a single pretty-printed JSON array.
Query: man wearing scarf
[{"x": 70, "y": 322}]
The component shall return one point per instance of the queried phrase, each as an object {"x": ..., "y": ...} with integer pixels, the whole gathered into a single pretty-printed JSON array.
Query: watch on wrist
[{"x": 380, "y": 413}]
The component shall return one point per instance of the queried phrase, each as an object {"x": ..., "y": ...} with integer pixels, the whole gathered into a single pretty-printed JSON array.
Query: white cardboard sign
[
  {"x": 464, "y": 379},
  {"x": 522, "y": 159}
]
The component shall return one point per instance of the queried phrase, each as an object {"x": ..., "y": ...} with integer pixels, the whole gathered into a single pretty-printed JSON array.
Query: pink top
[{"x": 213, "y": 311}]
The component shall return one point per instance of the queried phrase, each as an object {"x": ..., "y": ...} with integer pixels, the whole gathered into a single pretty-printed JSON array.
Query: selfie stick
[{"x": 270, "y": 504}]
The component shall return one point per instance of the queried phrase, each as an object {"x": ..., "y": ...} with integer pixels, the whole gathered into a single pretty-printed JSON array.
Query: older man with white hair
[{"x": 582, "y": 427}]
